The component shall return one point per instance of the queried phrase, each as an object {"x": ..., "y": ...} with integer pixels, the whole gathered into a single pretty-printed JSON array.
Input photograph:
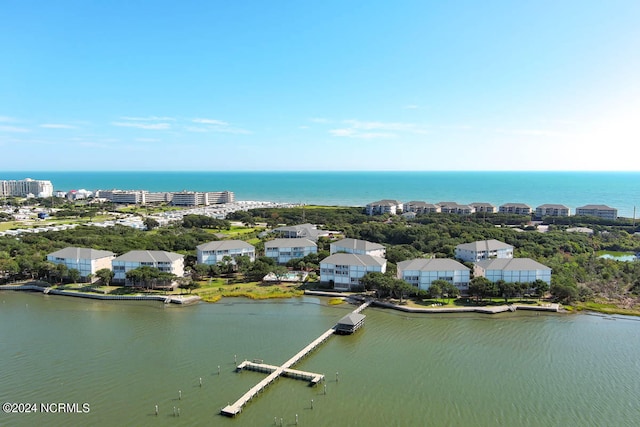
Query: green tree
[
  {"x": 105, "y": 275},
  {"x": 74, "y": 275},
  {"x": 150, "y": 223}
]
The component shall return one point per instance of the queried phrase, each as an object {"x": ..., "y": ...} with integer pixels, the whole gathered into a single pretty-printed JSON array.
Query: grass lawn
[
  {"x": 606, "y": 308},
  {"x": 214, "y": 290}
]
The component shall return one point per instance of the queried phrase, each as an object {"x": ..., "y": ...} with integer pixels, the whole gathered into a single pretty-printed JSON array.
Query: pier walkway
[{"x": 283, "y": 370}]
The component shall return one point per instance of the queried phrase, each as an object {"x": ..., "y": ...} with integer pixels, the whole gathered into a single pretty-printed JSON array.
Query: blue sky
[{"x": 330, "y": 85}]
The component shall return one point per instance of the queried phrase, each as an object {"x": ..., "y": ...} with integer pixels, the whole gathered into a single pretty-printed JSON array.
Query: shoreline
[
  {"x": 550, "y": 307},
  {"x": 167, "y": 299}
]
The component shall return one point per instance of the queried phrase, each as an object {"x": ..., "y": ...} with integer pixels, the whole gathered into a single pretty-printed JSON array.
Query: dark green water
[{"x": 399, "y": 370}]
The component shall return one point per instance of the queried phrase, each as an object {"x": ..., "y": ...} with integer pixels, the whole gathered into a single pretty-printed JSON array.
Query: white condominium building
[{"x": 26, "y": 188}]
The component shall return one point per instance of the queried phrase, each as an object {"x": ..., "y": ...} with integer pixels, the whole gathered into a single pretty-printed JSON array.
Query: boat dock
[{"x": 283, "y": 370}]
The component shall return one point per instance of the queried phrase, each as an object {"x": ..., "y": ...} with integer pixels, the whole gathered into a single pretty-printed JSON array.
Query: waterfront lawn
[
  {"x": 606, "y": 308},
  {"x": 215, "y": 289}
]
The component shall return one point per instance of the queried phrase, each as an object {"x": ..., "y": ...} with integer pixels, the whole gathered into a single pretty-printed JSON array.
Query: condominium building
[
  {"x": 195, "y": 198},
  {"x": 600, "y": 211},
  {"x": 483, "y": 249},
  {"x": 344, "y": 271},
  {"x": 522, "y": 270},
  {"x": 26, "y": 188},
  {"x": 214, "y": 252},
  {"x": 358, "y": 247},
  {"x": 284, "y": 250},
  {"x": 422, "y": 272},
  {"x": 387, "y": 206},
  {"x": 551, "y": 210},
  {"x": 168, "y": 262},
  {"x": 304, "y": 231},
  {"x": 419, "y": 208},
  {"x": 515, "y": 208},
  {"x": 455, "y": 208},
  {"x": 87, "y": 261},
  {"x": 480, "y": 207}
]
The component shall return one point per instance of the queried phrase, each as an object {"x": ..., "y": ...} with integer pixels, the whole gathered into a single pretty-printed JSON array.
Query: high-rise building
[{"x": 26, "y": 188}]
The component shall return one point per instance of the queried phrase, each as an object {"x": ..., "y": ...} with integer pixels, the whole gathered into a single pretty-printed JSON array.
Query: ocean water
[{"x": 620, "y": 190}]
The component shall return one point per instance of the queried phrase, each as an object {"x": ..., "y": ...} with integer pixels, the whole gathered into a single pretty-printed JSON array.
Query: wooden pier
[{"x": 283, "y": 370}]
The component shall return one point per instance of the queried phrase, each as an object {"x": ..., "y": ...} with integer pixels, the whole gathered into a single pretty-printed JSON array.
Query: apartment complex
[
  {"x": 26, "y": 188},
  {"x": 185, "y": 198},
  {"x": 358, "y": 247},
  {"x": 483, "y": 249},
  {"x": 283, "y": 250},
  {"x": 168, "y": 262},
  {"x": 86, "y": 261},
  {"x": 344, "y": 271},
  {"x": 599, "y": 211},
  {"x": 422, "y": 272},
  {"x": 551, "y": 210},
  {"x": 515, "y": 208},
  {"x": 522, "y": 270},
  {"x": 214, "y": 252},
  {"x": 387, "y": 206}
]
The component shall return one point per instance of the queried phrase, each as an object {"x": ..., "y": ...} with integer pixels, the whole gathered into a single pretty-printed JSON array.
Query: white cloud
[
  {"x": 57, "y": 126},
  {"x": 210, "y": 122},
  {"x": 13, "y": 129},
  {"x": 148, "y": 119},
  {"x": 5, "y": 119},
  {"x": 411, "y": 107},
  {"x": 214, "y": 125},
  {"x": 196, "y": 129},
  {"x": 370, "y": 130},
  {"x": 147, "y": 140},
  {"x": 390, "y": 126},
  {"x": 148, "y": 126}
]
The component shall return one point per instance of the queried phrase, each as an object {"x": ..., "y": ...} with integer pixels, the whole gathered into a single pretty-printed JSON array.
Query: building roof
[
  {"x": 482, "y": 204},
  {"x": 602, "y": 207},
  {"x": 221, "y": 245},
  {"x": 351, "y": 319},
  {"x": 431, "y": 264},
  {"x": 552, "y": 206},
  {"x": 354, "y": 259},
  {"x": 303, "y": 230},
  {"x": 149, "y": 256},
  {"x": 484, "y": 245},
  {"x": 511, "y": 264},
  {"x": 580, "y": 230},
  {"x": 81, "y": 253},
  {"x": 361, "y": 245},
  {"x": 289, "y": 243},
  {"x": 385, "y": 202},
  {"x": 515, "y": 205}
]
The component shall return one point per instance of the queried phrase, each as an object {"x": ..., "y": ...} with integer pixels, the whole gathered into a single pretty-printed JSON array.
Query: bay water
[{"x": 123, "y": 358}]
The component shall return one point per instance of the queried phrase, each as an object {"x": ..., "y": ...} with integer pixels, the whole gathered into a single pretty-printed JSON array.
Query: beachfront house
[
  {"x": 523, "y": 270},
  {"x": 386, "y": 206},
  {"x": 515, "y": 209},
  {"x": 358, "y": 247},
  {"x": 167, "y": 262},
  {"x": 551, "y": 210},
  {"x": 483, "y": 249},
  {"x": 214, "y": 252},
  {"x": 87, "y": 261},
  {"x": 283, "y": 250},
  {"x": 421, "y": 272},
  {"x": 344, "y": 271},
  {"x": 599, "y": 211}
]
